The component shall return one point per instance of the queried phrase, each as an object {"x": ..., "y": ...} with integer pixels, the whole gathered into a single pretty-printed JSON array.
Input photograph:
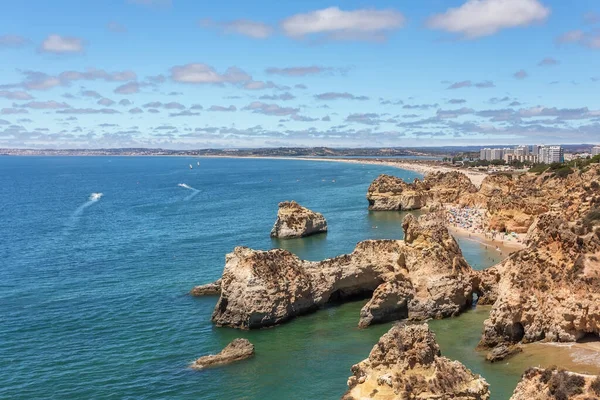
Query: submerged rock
[
  {"x": 552, "y": 384},
  {"x": 388, "y": 193},
  {"x": 238, "y": 350},
  {"x": 210, "y": 289},
  {"x": 295, "y": 221},
  {"x": 502, "y": 352},
  {"x": 406, "y": 363},
  {"x": 424, "y": 276}
]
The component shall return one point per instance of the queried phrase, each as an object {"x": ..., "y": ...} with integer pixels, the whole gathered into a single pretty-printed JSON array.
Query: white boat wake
[
  {"x": 188, "y": 187},
  {"x": 94, "y": 197}
]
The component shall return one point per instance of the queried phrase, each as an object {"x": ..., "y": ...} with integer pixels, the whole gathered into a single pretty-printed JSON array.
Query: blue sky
[{"x": 184, "y": 74}]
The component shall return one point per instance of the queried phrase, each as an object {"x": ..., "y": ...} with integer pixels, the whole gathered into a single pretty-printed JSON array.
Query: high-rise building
[
  {"x": 535, "y": 150},
  {"x": 551, "y": 154},
  {"x": 595, "y": 151},
  {"x": 497, "y": 154}
]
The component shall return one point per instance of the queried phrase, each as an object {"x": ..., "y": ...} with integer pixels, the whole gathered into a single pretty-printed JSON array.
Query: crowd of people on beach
[{"x": 471, "y": 220}]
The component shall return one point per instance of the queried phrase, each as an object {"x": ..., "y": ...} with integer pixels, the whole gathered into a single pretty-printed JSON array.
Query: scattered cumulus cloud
[
  {"x": 337, "y": 96},
  {"x": 578, "y": 36},
  {"x": 129, "y": 88},
  {"x": 283, "y": 96},
  {"x": 548, "y": 61},
  {"x": 62, "y": 44},
  {"x": 13, "y": 41},
  {"x": 468, "y": 84},
  {"x": 15, "y": 95},
  {"x": 223, "y": 108},
  {"x": 335, "y": 24},
  {"x": 520, "y": 74},
  {"x": 198, "y": 73},
  {"x": 302, "y": 71},
  {"x": 244, "y": 27},
  {"x": 478, "y": 18},
  {"x": 270, "y": 109}
]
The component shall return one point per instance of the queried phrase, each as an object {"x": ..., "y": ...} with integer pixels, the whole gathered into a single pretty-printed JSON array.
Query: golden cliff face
[
  {"x": 388, "y": 193},
  {"x": 551, "y": 290},
  {"x": 407, "y": 363}
]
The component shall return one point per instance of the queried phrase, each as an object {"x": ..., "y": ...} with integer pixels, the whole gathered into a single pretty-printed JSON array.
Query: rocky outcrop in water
[
  {"x": 295, "y": 221},
  {"x": 406, "y": 363},
  {"x": 552, "y": 384},
  {"x": 424, "y": 276},
  {"x": 388, "y": 193},
  {"x": 549, "y": 291},
  {"x": 210, "y": 289},
  {"x": 238, "y": 350}
]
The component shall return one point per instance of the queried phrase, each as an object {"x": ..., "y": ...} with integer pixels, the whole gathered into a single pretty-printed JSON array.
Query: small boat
[
  {"x": 191, "y": 166},
  {"x": 198, "y": 163}
]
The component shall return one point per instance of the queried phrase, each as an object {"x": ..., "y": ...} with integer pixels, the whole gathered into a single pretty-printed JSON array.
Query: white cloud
[
  {"x": 62, "y": 44},
  {"x": 202, "y": 73},
  {"x": 588, "y": 39},
  {"x": 478, "y": 18},
  {"x": 245, "y": 27},
  {"x": 336, "y": 24}
]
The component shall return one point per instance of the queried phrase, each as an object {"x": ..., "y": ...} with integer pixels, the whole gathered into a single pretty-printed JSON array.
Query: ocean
[{"x": 98, "y": 255}]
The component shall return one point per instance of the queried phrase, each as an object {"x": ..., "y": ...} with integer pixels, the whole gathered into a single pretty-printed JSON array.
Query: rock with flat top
[
  {"x": 238, "y": 350},
  {"x": 210, "y": 289},
  {"x": 294, "y": 221}
]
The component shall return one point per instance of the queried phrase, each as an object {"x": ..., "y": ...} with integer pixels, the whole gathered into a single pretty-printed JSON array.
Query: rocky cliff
[
  {"x": 424, "y": 276},
  {"x": 514, "y": 201},
  {"x": 294, "y": 221},
  {"x": 388, "y": 193},
  {"x": 552, "y": 384},
  {"x": 551, "y": 290},
  {"x": 406, "y": 364}
]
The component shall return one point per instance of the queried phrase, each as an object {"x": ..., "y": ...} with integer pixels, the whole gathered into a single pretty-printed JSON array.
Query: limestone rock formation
[
  {"x": 388, "y": 193},
  {"x": 295, "y": 221},
  {"x": 237, "y": 350},
  {"x": 514, "y": 201},
  {"x": 550, "y": 290},
  {"x": 552, "y": 384},
  {"x": 210, "y": 289},
  {"x": 406, "y": 364},
  {"x": 424, "y": 276}
]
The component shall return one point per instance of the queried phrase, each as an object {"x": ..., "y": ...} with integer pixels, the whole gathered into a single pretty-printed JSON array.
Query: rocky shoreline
[{"x": 547, "y": 290}]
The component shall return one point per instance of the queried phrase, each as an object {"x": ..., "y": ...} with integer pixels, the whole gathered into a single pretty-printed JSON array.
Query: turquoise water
[{"x": 93, "y": 294}]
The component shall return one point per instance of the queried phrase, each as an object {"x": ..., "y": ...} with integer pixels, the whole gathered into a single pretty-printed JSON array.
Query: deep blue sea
[{"x": 93, "y": 289}]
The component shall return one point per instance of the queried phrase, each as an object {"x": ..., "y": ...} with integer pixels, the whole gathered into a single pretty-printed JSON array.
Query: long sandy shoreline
[{"x": 474, "y": 176}]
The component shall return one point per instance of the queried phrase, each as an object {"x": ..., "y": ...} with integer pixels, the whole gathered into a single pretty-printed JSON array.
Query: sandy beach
[{"x": 416, "y": 166}]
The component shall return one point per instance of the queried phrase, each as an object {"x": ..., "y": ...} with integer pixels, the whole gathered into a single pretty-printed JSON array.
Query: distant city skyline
[{"x": 180, "y": 74}]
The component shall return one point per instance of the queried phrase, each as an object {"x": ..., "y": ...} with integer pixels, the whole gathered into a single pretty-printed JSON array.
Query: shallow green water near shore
[{"x": 94, "y": 297}]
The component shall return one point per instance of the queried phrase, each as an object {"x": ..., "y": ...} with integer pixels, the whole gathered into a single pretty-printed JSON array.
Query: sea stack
[
  {"x": 238, "y": 350},
  {"x": 423, "y": 276},
  {"x": 406, "y": 363},
  {"x": 294, "y": 221}
]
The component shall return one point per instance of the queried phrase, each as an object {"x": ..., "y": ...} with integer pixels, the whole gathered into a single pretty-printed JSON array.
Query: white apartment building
[{"x": 595, "y": 151}]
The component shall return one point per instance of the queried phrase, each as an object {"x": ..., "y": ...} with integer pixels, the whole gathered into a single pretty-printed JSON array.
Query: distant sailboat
[
  {"x": 191, "y": 166},
  {"x": 198, "y": 163}
]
